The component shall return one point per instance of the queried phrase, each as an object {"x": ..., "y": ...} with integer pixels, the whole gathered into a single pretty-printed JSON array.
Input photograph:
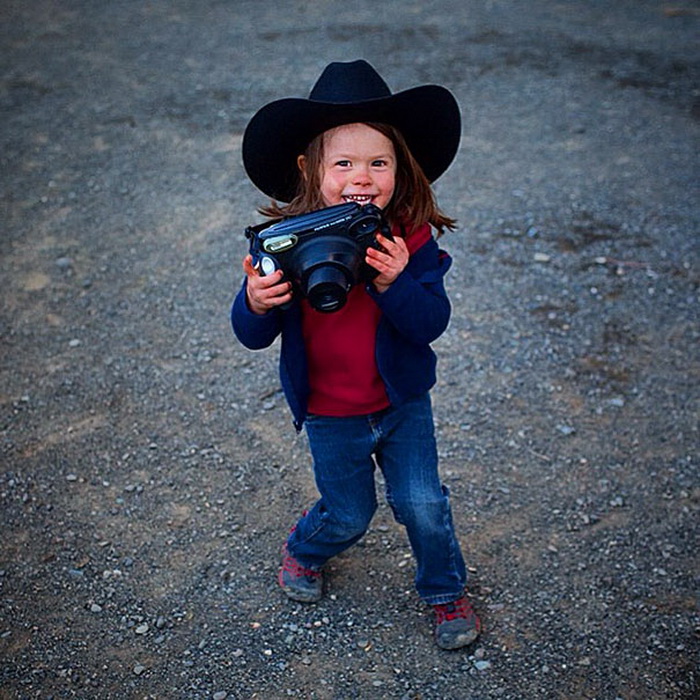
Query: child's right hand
[{"x": 265, "y": 292}]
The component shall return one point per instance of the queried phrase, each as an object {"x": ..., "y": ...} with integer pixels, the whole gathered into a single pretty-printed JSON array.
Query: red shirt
[{"x": 340, "y": 350}]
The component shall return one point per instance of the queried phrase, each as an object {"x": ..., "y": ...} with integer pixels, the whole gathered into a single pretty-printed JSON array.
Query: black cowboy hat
[{"x": 427, "y": 116}]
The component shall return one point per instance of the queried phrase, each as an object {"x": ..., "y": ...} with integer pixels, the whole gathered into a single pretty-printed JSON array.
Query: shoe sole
[
  {"x": 298, "y": 595},
  {"x": 459, "y": 641},
  {"x": 301, "y": 597}
]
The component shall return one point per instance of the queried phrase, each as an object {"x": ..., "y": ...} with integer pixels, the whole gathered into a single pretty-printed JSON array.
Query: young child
[{"x": 358, "y": 378}]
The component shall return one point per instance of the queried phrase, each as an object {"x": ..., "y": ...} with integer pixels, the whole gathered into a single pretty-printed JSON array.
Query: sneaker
[
  {"x": 456, "y": 624},
  {"x": 299, "y": 583}
]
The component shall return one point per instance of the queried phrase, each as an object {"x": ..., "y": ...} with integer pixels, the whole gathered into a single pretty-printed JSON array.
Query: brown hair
[{"x": 412, "y": 203}]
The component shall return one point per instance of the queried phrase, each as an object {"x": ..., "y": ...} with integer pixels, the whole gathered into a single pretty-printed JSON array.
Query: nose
[{"x": 362, "y": 175}]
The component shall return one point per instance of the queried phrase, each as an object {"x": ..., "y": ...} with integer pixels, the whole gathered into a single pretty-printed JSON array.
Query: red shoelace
[
  {"x": 290, "y": 564},
  {"x": 458, "y": 609}
]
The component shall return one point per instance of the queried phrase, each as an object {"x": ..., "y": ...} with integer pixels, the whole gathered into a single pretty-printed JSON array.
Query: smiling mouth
[{"x": 359, "y": 198}]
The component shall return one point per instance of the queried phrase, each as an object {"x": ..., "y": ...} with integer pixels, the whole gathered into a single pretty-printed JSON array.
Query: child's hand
[
  {"x": 265, "y": 292},
  {"x": 390, "y": 261}
]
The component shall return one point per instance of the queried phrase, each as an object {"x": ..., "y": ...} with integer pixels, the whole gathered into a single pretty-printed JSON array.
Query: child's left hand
[{"x": 390, "y": 261}]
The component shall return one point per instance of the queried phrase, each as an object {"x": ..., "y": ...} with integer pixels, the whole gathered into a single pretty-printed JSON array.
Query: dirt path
[{"x": 149, "y": 466}]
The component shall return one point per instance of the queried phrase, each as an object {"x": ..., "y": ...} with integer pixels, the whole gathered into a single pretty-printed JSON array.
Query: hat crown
[
  {"x": 347, "y": 92},
  {"x": 355, "y": 81}
]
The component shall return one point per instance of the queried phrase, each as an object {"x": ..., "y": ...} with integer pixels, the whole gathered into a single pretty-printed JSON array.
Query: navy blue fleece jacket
[{"x": 415, "y": 312}]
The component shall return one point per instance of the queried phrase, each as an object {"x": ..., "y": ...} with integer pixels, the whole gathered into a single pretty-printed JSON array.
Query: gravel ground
[{"x": 149, "y": 465}]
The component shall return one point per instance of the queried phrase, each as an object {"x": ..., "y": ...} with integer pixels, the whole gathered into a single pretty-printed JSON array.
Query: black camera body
[{"x": 321, "y": 253}]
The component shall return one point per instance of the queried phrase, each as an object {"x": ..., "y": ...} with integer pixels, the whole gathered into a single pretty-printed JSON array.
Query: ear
[{"x": 301, "y": 164}]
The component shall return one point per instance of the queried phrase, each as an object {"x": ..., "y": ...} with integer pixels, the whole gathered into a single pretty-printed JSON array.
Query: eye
[
  {"x": 343, "y": 163},
  {"x": 379, "y": 163}
]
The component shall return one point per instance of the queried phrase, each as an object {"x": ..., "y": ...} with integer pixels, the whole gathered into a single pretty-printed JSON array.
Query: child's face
[{"x": 359, "y": 165}]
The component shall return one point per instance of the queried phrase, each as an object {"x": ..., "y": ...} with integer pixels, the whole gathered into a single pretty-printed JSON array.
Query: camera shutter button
[{"x": 267, "y": 265}]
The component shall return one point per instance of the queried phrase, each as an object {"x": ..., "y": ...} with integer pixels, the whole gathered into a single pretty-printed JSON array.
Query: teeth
[{"x": 357, "y": 197}]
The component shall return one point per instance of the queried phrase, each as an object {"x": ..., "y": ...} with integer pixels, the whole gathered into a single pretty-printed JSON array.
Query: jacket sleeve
[
  {"x": 252, "y": 330},
  {"x": 416, "y": 304}
]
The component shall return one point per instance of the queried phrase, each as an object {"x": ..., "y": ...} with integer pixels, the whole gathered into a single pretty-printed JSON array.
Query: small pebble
[{"x": 64, "y": 263}]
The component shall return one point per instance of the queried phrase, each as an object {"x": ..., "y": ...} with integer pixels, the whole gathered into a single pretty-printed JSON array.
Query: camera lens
[{"x": 327, "y": 288}]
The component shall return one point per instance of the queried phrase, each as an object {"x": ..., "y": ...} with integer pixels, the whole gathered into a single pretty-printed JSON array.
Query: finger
[
  {"x": 391, "y": 243},
  {"x": 384, "y": 242},
  {"x": 262, "y": 282},
  {"x": 279, "y": 289},
  {"x": 271, "y": 280},
  {"x": 248, "y": 266},
  {"x": 284, "y": 298},
  {"x": 396, "y": 248},
  {"x": 275, "y": 292},
  {"x": 386, "y": 261},
  {"x": 383, "y": 265},
  {"x": 373, "y": 263},
  {"x": 276, "y": 296}
]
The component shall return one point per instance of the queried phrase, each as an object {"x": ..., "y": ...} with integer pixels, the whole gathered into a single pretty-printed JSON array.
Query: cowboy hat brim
[{"x": 428, "y": 117}]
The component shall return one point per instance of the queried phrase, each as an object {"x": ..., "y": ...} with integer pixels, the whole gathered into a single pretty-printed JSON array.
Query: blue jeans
[{"x": 402, "y": 442}]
